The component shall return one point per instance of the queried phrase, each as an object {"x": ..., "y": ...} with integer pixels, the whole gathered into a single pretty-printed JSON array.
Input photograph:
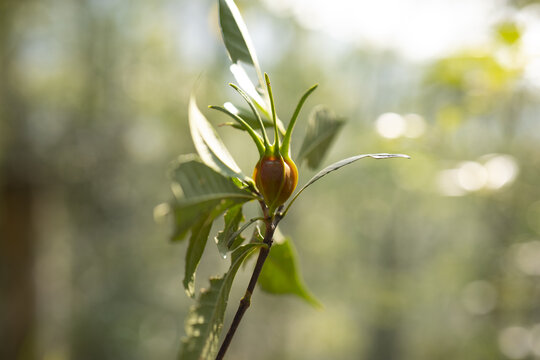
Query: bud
[{"x": 276, "y": 178}]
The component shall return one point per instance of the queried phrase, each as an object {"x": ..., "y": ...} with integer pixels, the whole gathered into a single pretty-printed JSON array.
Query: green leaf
[
  {"x": 227, "y": 237},
  {"x": 205, "y": 320},
  {"x": 245, "y": 83},
  {"x": 200, "y": 183},
  {"x": 186, "y": 215},
  {"x": 208, "y": 144},
  {"x": 197, "y": 244},
  {"x": 338, "y": 165},
  {"x": 323, "y": 127},
  {"x": 205, "y": 194},
  {"x": 256, "y": 237},
  {"x": 280, "y": 274},
  {"x": 236, "y": 37}
]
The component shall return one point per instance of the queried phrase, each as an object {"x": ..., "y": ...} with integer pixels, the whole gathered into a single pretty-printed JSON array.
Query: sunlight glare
[
  {"x": 230, "y": 106},
  {"x": 528, "y": 18},
  {"x": 396, "y": 24},
  {"x": 245, "y": 83}
]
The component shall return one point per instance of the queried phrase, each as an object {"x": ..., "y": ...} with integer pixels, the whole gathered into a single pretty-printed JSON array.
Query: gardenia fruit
[
  {"x": 275, "y": 174},
  {"x": 276, "y": 178}
]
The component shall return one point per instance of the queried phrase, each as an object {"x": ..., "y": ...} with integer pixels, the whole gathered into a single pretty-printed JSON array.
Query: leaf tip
[
  {"x": 403, "y": 156},
  {"x": 190, "y": 292},
  {"x": 189, "y": 286},
  {"x": 317, "y": 305},
  {"x": 161, "y": 212}
]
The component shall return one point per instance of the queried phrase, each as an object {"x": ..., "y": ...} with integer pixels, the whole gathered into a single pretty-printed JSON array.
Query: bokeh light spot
[
  {"x": 502, "y": 170},
  {"x": 447, "y": 182},
  {"x": 479, "y": 297},
  {"x": 472, "y": 176},
  {"x": 415, "y": 125},
  {"x": 528, "y": 257},
  {"x": 145, "y": 141},
  {"x": 514, "y": 342},
  {"x": 390, "y": 125},
  {"x": 535, "y": 339}
]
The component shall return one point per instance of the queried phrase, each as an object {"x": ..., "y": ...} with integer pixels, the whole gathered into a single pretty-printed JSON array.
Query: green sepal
[
  {"x": 275, "y": 146},
  {"x": 256, "y": 138},
  {"x": 286, "y": 147},
  {"x": 255, "y": 113}
]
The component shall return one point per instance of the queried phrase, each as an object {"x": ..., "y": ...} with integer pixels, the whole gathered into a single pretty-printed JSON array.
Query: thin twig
[{"x": 245, "y": 302}]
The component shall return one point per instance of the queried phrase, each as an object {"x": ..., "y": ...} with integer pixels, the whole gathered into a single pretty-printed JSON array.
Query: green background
[{"x": 412, "y": 259}]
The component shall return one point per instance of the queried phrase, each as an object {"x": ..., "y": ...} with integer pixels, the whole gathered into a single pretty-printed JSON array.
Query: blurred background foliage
[{"x": 437, "y": 257}]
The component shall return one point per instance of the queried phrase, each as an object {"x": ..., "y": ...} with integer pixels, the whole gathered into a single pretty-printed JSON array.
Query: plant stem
[{"x": 245, "y": 302}]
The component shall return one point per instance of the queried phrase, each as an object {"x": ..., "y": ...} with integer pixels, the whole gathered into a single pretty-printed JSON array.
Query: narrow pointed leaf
[
  {"x": 205, "y": 320},
  {"x": 280, "y": 274},
  {"x": 227, "y": 236},
  {"x": 338, "y": 165},
  {"x": 323, "y": 127},
  {"x": 208, "y": 144},
  {"x": 236, "y": 37}
]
